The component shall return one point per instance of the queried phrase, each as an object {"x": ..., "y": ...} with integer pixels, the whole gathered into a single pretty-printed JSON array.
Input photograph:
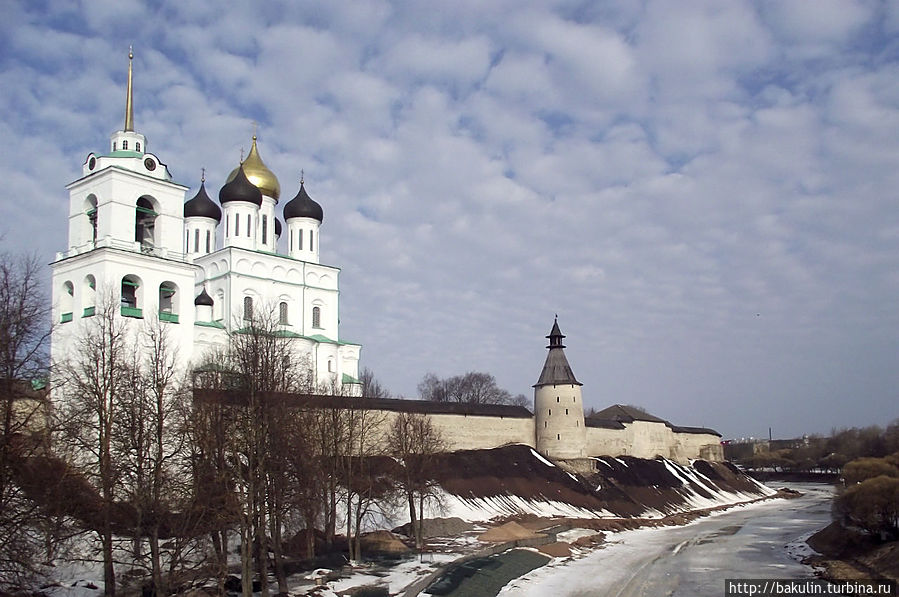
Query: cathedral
[{"x": 199, "y": 266}]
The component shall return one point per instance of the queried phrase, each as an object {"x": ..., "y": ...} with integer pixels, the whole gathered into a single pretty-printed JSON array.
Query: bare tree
[
  {"x": 24, "y": 335},
  {"x": 96, "y": 381},
  {"x": 371, "y": 387},
  {"x": 414, "y": 441},
  {"x": 471, "y": 388}
]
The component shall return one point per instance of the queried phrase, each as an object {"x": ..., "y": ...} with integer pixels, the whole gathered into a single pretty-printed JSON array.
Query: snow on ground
[{"x": 574, "y": 534}]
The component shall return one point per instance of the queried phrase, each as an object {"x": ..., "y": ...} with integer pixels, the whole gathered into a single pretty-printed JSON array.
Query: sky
[{"x": 705, "y": 192}]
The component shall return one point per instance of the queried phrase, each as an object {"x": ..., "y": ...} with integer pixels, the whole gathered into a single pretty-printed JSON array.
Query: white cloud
[{"x": 704, "y": 191}]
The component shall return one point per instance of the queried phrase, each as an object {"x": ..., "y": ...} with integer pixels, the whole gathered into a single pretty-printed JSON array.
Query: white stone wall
[{"x": 646, "y": 439}]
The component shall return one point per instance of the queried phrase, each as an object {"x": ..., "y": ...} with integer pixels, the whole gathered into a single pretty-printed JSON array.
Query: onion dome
[
  {"x": 239, "y": 188},
  {"x": 277, "y": 227},
  {"x": 259, "y": 174},
  {"x": 202, "y": 206},
  {"x": 203, "y": 299},
  {"x": 302, "y": 206}
]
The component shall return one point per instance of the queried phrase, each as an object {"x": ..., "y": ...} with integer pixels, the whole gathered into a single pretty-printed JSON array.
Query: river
[{"x": 755, "y": 541}]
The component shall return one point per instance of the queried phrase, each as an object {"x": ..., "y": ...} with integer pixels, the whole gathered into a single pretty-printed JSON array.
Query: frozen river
[{"x": 754, "y": 541}]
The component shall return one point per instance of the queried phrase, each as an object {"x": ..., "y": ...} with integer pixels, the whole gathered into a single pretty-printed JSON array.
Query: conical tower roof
[{"x": 556, "y": 369}]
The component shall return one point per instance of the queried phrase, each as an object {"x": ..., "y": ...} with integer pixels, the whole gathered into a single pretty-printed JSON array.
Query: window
[
  {"x": 248, "y": 307},
  {"x": 68, "y": 294},
  {"x": 310, "y": 241},
  {"x": 282, "y": 313},
  {"x": 545, "y": 423},
  {"x": 559, "y": 436},
  {"x": 316, "y": 317},
  {"x": 249, "y": 223},
  {"x": 208, "y": 241},
  {"x": 145, "y": 224},
  {"x": 91, "y": 210},
  {"x": 124, "y": 145},
  {"x": 131, "y": 297},
  {"x": 113, "y": 145},
  {"x": 264, "y": 229},
  {"x": 168, "y": 305},
  {"x": 566, "y": 411},
  {"x": 88, "y": 293},
  {"x": 196, "y": 240},
  {"x": 550, "y": 413},
  {"x": 187, "y": 241},
  {"x": 330, "y": 366},
  {"x": 300, "y": 239},
  {"x": 137, "y": 146},
  {"x": 236, "y": 224},
  {"x": 227, "y": 225},
  {"x": 557, "y": 399}
]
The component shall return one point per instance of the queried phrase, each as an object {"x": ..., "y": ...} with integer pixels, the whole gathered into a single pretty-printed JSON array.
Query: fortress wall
[
  {"x": 472, "y": 432},
  {"x": 706, "y": 446},
  {"x": 607, "y": 442},
  {"x": 469, "y": 432},
  {"x": 650, "y": 439}
]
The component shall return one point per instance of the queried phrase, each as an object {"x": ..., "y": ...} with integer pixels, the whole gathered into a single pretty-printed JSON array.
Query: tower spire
[{"x": 129, "y": 105}]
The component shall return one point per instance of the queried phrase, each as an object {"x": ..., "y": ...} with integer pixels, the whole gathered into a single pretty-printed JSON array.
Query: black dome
[
  {"x": 277, "y": 227},
  {"x": 302, "y": 206},
  {"x": 203, "y": 299},
  {"x": 240, "y": 189},
  {"x": 202, "y": 206}
]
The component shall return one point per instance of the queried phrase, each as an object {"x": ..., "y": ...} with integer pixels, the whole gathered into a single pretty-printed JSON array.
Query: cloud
[{"x": 703, "y": 191}]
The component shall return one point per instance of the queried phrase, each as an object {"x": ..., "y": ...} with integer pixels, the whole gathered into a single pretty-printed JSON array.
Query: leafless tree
[
  {"x": 371, "y": 387},
  {"x": 24, "y": 335},
  {"x": 97, "y": 377},
  {"x": 414, "y": 441},
  {"x": 471, "y": 388}
]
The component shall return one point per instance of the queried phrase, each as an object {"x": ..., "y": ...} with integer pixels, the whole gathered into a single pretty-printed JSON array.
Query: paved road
[{"x": 692, "y": 560}]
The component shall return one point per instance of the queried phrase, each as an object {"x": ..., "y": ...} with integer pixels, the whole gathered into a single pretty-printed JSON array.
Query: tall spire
[
  {"x": 129, "y": 105},
  {"x": 556, "y": 369}
]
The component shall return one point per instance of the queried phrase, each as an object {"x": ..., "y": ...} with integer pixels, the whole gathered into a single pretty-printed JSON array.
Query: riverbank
[{"x": 849, "y": 555}]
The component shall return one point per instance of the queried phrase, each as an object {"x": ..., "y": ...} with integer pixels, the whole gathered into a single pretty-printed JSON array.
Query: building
[{"x": 202, "y": 268}]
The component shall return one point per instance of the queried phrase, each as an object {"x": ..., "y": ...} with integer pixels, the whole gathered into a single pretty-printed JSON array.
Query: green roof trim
[
  {"x": 210, "y": 324},
  {"x": 121, "y": 154},
  {"x": 350, "y": 379},
  {"x": 320, "y": 338}
]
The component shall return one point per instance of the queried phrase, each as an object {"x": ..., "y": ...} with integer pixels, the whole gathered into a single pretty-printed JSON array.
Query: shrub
[
  {"x": 867, "y": 468},
  {"x": 872, "y": 505}
]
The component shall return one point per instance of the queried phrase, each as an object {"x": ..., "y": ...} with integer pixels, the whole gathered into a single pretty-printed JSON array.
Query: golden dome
[{"x": 259, "y": 174}]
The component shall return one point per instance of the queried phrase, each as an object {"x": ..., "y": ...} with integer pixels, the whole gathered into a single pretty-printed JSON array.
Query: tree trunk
[
  {"x": 155, "y": 563},
  {"x": 413, "y": 522}
]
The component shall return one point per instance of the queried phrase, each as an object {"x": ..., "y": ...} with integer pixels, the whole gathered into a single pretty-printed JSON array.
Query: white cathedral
[{"x": 200, "y": 267}]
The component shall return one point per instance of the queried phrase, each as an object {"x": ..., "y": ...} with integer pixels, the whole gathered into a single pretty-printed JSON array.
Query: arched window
[
  {"x": 227, "y": 226},
  {"x": 145, "y": 224},
  {"x": 249, "y": 224},
  {"x": 208, "y": 241},
  {"x": 236, "y": 224},
  {"x": 168, "y": 303},
  {"x": 248, "y": 307},
  {"x": 131, "y": 294},
  {"x": 218, "y": 307},
  {"x": 282, "y": 313},
  {"x": 90, "y": 209},
  {"x": 124, "y": 145},
  {"x": 330, "y": 366},
  {"x": 550, "y": 413},
  {"x": 300, "y": 239},
  {"x": 310, "y": 241},
  {"x": 67, "y": 299},
  {"x": 88, "y": 295},
  {"x": 196, "y": 240},
  {"x": 137, "y": 146},
  {"x": 316, "y": 317},
  {"x": 264, "y": 229}
]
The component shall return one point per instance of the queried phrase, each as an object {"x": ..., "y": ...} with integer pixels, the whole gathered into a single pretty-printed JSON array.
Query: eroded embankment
[{"x": 514, "y": 480}]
